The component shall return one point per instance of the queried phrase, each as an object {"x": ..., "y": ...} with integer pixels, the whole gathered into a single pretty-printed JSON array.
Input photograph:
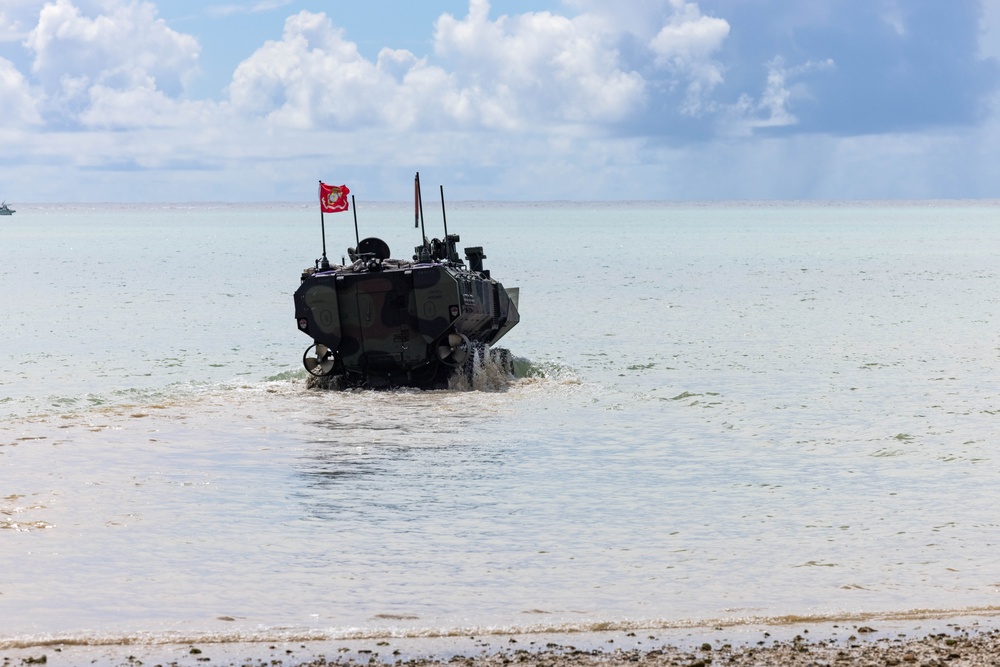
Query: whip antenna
[
  {"x": 444, "y": 216},
  {"x": 357, "y": 239},
  {"x": 419, "y": 209},
  {"x": 325, "y": 264}
]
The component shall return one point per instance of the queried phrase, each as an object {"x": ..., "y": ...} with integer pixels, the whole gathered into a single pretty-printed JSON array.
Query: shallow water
[{"x": 735, "y": 412}]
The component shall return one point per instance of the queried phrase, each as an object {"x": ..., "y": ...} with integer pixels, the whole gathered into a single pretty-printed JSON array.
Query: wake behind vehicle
[{"x": 383, "y": 322}]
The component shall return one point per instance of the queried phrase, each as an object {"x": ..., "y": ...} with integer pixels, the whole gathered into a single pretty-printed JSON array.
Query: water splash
[{"x": 486, "y": 369}]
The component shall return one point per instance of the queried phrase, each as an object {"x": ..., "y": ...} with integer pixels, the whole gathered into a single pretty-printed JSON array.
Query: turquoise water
[{"x": 737, "y": 411}]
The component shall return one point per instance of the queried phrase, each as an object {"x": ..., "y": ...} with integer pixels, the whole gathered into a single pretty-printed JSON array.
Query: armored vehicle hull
[{"x": 381, "y": 322}]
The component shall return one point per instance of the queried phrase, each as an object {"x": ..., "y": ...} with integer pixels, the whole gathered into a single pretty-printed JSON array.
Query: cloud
[
  {"x": 674, "y": 69},
  {"x": 222, "y": 11},
  {"x": 537, "y": 68},
  {"x": 772, "y": 108},
  {"x": 126, "y": 49},
  {"x": 638, "y": 98},
  {"x": 511, "y": 74},
  {"x": 18, "y": 106},
  {"x": 685, "y": 45},
  {"x": 10, "y": 28},
  {"x": 315, "y": 78},
  {"x": 144, "y": 106},
  {"x": 896, "y": 66}
]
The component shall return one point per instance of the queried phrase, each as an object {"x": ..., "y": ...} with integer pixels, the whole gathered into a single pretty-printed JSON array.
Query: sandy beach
[{"x": 929, "y": 642}]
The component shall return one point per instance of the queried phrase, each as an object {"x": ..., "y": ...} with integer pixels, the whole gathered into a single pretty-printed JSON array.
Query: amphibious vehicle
[{"x": 380, "y": 322}]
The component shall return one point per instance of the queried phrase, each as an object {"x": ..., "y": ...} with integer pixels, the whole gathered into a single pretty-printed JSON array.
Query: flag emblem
[{"x": 333, "y": 198}]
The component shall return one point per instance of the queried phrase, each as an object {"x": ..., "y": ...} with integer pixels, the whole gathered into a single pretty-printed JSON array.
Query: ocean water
[{"x": 732, "y": 413}]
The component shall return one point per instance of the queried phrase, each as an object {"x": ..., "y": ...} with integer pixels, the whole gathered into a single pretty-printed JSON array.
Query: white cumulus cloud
[
  {"x": 644, "y": 98},
  {"x": 531, "y": 70},
  {"x": 18, "y": 106},
  {"x": 537, "y": 67},
  {"x": 127, "y": 48},
  {"x": 314, "y": 77},
  {"x": 685, "y": 45}
]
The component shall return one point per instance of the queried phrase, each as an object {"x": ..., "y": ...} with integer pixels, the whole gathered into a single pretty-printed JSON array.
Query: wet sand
[{"x": 934, "y": 643}]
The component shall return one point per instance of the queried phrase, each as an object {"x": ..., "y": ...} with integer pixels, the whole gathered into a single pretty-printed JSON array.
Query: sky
[{"x": 524, "y": 100}]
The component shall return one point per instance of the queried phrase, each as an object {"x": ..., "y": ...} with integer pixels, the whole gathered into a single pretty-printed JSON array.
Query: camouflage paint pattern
[{"x": 384, "y": 321}]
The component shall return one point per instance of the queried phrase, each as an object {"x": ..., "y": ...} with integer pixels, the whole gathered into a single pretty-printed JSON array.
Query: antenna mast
[
  {"x": 325, "y": 263},
  {"x": 357, "y": 239},
  {"x": 418, "y": 211},
  {"x": 444, "y": 216}
]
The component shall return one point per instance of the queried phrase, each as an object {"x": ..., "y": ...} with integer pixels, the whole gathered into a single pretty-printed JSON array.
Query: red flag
[{"x": 332, "y": 198}]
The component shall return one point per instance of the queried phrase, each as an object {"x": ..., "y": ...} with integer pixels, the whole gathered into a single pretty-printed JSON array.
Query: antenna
[
  {"x": 354, "y": 206},
  {"x": 444, "y": 216},
  {"x": 419, "y": 208},
  {"x": 325, "y": 264}
]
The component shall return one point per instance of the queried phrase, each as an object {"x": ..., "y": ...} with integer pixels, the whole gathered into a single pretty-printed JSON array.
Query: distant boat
[{"x": 6, "y": 210}]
